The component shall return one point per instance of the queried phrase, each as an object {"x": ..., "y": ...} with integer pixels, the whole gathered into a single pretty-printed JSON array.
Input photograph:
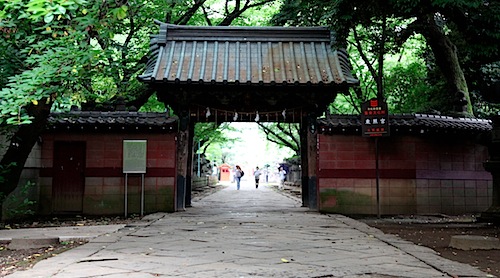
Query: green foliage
[
  {"x": 19, "y": 204},
  {"x": 284, "y": 135},
  {"x": 3, "y": 171},
  {"x": 217, "y": 12},
  {"x": 257, "y": 17},
  {"x": 153, "y": 105},
  {"x": 111, "y": 37},
  {"x": 216, "y": 142},
  {"x": 51, "y": 51},
  {"x": 70, "y": 51},
  {"x": 206, "y": 134},
  {"x": 377, "y": 29},
  {"x": 483, "y": 108},
  {"x": 407, "y": 89},
  {"x": 54, "y": 65},
  {"x": 89, "y": 53}
]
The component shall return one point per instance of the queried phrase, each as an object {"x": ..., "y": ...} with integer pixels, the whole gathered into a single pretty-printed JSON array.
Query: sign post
[
  {"x": 375, "y": 123},
  {"x": 134, "y": 161}
]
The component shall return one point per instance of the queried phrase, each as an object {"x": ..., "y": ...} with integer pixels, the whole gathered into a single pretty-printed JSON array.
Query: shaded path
[{"x": 249, "y": 233}]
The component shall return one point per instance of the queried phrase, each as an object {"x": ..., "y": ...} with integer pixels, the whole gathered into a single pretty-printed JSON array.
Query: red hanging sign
[{"x": 374, "y": 118}]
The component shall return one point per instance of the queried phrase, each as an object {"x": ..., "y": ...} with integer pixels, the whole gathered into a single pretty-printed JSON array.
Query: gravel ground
[{"x": 435, "y": 232}]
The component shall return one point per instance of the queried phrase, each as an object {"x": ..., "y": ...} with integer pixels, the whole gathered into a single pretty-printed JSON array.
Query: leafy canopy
[{"x": 51, "y": 50}]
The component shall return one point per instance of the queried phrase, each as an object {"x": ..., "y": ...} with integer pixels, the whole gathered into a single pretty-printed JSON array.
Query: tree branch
[
  {"x": 231, "y": 16},
  {"x": 205, "y": 14},
  {"x": 276, "y": 138},
  {"x": 184, "y": 19},
  {"x": 362, "y": 54}
]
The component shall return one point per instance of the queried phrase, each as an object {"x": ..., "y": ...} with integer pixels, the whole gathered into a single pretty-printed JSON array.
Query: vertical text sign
[
  {"x": 134, "y": 156},
  {"x": 374, "y": 118}
]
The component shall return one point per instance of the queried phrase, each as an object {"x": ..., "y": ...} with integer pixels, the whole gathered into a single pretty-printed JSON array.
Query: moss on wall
[
  {"x": 342, "y": 201},
  {"x": 113, "y": 204}
]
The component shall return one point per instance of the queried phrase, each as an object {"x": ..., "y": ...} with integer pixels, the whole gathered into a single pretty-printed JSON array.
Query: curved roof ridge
[
  {"x": 245, "y": 33},
  {"x": 246, "y": 55}
]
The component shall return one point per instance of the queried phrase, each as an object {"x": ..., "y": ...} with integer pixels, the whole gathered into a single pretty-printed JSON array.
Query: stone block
[
  {"x": 473, "y": 242},
  {"x": 28, "y": 243}
]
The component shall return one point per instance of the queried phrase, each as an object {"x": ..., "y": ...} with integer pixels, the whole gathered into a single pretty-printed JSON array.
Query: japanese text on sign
[{"x": 374, "y": 118}]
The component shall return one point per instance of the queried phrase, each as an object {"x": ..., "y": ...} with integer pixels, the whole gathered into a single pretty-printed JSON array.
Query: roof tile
[
  {"x": 421, "y": 123},
  {"x": 111, "y": 120},
  {"x": 251, "y": 55}
]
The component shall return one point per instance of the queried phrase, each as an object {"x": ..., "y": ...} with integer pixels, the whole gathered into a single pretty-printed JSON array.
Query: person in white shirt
[
  {"x": 238, "y": 173},
  {"x": 282, "y": 175},
  {"x": 257, "y": 174}
]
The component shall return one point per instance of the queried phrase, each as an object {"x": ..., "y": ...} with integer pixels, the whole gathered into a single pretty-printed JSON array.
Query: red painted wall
[
  {"x": 104, "y": 178},
  {"x": 417, "y": 175}
]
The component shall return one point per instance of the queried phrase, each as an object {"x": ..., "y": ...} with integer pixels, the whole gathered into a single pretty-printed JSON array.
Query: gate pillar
[
  {"x": 308, "y": 153},
  {"x": 182, "y": 158},
  {"x": 493, "y": 166},
  {"x": 189, "y": 174}
]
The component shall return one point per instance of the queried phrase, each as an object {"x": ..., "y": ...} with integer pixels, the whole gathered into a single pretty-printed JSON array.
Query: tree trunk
[
  {"x": 445, "y": 54},
  {"x": 20, "y": 146}
]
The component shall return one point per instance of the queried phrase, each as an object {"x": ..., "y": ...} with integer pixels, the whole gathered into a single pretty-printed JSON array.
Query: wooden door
[{"x": 68, "y": 181}]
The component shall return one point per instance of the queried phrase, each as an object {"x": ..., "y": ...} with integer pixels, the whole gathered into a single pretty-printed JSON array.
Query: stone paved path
[{"x": 249, "y": 233}]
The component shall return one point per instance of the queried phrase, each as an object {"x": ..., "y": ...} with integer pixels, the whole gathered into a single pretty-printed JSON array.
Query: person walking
[
  {"x": 282, "y": 175},
  {"x": 257, "y": 174},
  {"x": 238, "y": 173}
]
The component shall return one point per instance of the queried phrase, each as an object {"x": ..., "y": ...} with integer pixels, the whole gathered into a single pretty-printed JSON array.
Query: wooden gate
[
  {"x": 68, "y": 177},
  {"x": 246, "y": 74}
]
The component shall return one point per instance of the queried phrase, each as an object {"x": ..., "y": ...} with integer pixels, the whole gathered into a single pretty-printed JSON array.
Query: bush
[{"x": 19, "y": 205}]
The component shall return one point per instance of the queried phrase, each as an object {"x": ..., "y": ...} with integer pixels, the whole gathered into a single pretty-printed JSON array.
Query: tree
[
  {"x": 51, "y": 48},
  {"x": 283, "y": 134},
  {"x": 62, "y": 52},
  {"x": 210, "y": 135},
  {"x": 207, "y": 134},
  {"x": 477, "y": 41},
  {"x": 435, "y": 20}
]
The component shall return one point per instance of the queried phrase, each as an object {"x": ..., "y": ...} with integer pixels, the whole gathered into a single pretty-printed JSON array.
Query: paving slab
[
  {"x": 249, "y": 233},
  {"x": 39, "y": 237}
]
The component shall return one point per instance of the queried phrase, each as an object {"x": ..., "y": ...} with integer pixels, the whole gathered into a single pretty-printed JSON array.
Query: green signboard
[{"x": 134, "y": 156}]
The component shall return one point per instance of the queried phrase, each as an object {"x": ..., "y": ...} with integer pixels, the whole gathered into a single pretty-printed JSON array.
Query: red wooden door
[{"x": 68, "y": 181}]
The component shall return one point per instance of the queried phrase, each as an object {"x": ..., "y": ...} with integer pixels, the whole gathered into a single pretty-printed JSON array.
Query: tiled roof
[
  {"x": 111, "y": 121},
  {"x": 246, "y": 55},
  {"x": 408, "y": 123}
]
